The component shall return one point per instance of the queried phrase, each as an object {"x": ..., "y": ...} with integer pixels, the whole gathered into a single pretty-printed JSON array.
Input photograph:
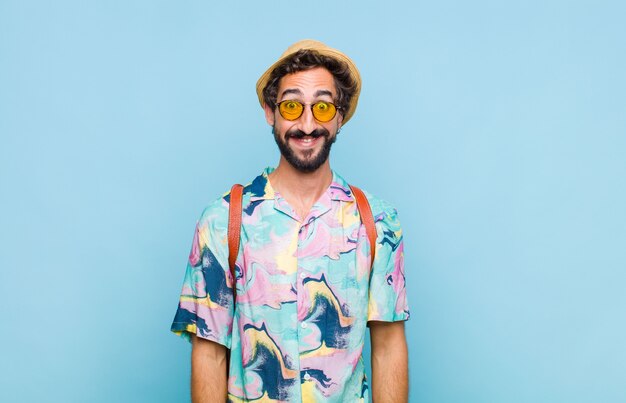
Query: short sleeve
[
  {"x": 387, "y": 293},
  {"x": 205, "y": 307}
]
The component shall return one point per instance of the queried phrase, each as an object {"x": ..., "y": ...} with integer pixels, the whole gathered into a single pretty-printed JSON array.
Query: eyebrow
[
  {"x": 291, "y": 91},
  {"x": 319, "y": 93},
  {"x": 296, "y": 91}
]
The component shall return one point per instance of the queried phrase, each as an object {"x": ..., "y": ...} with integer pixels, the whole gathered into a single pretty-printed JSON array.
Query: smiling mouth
[
  {"x": 305, "y": 141},
  {"x": 309, "y": 137}
]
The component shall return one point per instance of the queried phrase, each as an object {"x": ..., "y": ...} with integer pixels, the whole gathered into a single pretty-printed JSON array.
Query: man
[{"x": 305, "y": 291}]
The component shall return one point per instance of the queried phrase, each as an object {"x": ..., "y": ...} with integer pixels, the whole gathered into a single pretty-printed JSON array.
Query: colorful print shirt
[{"x": 304, "y": 293}]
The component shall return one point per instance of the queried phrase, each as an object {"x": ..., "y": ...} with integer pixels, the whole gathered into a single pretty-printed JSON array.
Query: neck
[{"x": 301, "y": 190}]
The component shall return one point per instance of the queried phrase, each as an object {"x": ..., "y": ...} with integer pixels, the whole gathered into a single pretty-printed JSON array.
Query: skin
[
  {"x": 301, "y": 190},
  {"x": 208, "y": 371},
  {"x": 390, "y": 363}
]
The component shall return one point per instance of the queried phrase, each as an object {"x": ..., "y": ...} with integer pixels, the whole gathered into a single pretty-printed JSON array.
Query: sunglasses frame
[{"x": 310, "y": 105}]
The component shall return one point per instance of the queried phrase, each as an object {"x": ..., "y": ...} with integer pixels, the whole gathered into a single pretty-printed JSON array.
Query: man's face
[{"x": 305, "y": 143}]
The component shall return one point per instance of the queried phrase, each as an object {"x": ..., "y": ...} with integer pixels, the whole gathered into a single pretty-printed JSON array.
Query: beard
[{"x": 310, "y": 162}]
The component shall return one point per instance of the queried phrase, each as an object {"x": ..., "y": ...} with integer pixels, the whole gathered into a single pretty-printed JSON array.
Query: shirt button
[
  {"x": 303, "y": 325},
  {"x": 307, "y": 376}
]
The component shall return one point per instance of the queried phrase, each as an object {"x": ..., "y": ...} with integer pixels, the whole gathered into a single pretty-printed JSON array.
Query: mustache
[{"x": 298, "y": 134}]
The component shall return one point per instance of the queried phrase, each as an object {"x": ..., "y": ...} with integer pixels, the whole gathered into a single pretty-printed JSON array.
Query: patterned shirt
[{"x": 304, "y": 293}]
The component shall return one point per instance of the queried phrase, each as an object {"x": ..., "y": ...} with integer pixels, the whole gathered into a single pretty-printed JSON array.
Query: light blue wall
[{"x": 496, "y": 128}]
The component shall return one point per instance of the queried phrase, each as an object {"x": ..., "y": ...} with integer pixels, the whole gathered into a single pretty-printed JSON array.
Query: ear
[
  {"x": 269, "y": 114},
  {"x": 339, "y": 122}
]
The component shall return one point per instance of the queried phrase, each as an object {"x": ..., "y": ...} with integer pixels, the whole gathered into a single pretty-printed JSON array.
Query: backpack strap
[
  {"x": 367, "y": 218},
  {"x": 234, "y": 228}
]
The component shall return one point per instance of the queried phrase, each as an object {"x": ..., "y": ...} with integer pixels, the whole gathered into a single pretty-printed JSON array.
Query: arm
[
  {"x": 390, "y": 381},
  {"x": 208, "y": 371}
]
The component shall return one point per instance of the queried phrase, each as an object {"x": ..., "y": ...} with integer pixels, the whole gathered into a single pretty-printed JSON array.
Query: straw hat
[{"x": 324, "y": 50}]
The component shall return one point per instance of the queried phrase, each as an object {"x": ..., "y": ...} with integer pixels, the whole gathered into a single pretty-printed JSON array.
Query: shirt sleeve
[
  {"x": 387, "y": 292},
  {"x": 205, "y": 307}
]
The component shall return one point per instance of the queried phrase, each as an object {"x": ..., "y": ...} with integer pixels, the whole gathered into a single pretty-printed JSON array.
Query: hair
[{"x": 307, "y": 59}]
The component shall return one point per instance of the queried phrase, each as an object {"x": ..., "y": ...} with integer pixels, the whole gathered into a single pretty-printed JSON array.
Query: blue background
[{"x": 496, "y": 128}]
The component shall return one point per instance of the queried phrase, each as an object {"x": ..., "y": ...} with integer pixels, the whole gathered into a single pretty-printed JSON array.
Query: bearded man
[{"x": 288, "y": 323}]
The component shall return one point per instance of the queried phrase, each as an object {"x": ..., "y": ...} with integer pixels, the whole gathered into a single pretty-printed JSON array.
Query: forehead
[{"x": 308, "y": 82}]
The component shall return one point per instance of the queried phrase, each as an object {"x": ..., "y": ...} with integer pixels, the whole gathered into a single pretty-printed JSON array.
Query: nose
[{"x": 307, "y": 120}]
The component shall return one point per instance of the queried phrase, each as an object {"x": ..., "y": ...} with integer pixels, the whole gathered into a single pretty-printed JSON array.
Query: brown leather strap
[
  {"x": 234, "y": 228},
  {"x": 365, "y": 211}
]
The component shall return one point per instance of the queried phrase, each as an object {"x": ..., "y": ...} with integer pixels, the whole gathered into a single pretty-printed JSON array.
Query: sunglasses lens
[
  {"x": 324, "y": 111},
  {"x": 291, "y": 110}
]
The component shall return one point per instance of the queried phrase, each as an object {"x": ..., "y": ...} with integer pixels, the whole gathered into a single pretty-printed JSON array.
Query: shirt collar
[{"x": 261, "y": 188}]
